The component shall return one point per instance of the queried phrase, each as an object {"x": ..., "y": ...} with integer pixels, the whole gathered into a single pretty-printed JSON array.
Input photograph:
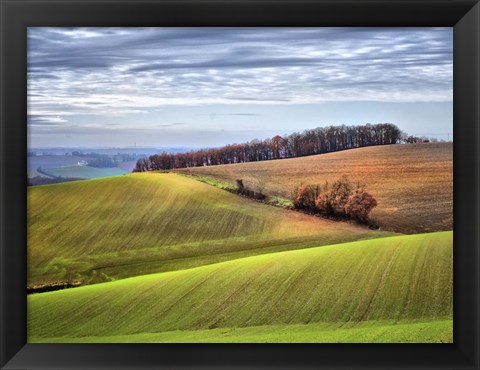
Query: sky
[{"x": 207, "y": 87}]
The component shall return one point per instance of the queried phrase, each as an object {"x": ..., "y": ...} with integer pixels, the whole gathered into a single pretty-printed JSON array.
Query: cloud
[
  {"x": 45, "y": 120},
  {"x": 244, "y": 114},
  {"x": 117, "y": 72},
  {"x": 265, "y": 99},
  {"x": 230, "y": 114},
  {"x": 169, "y": 124},
  {"x": 235, "y": 63}
]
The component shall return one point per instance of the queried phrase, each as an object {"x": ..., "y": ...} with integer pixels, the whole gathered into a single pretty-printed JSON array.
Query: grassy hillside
[
  {"x": 413, "y": 184},
  {"x": 377, "y": 290},
  {"x": 435, "y": 331},
  {"x": 106, "y": 229}
]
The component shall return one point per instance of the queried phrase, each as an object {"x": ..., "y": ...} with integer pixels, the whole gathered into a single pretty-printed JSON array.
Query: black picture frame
[{"x": 17, "y": 15}]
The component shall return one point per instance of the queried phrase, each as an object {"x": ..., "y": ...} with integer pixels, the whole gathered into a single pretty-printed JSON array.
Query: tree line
[{"x": 309, "y": 142}]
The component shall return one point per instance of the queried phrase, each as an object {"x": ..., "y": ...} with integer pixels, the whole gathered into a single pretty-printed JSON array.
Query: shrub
[
  {"x": 259, "y": 187},
  {"x": 241, "y": 189},
  {"x": 259, "y": 196},
  {"x": 240, "y": 186},
  {"x": 249, "y": 193},
  {"x": 304, "y": 197},
  {"x": 359, "y": 204},
  {"x": 323, "y": 202},
  {"x": 338, "y": 200},
  {"x": 332, "y": 200},
  {"x": 339, "y": 195}
]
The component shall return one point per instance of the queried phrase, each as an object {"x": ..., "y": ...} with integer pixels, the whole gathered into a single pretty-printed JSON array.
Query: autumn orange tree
[
  {"x": 340, "y": 199},
  {"x": 359, "y": 204},
  {"x": 304, "y": 197}
]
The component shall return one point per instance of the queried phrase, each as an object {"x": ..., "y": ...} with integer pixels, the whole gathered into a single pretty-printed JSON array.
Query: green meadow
[
  {"x": 399, "y": 282},
  {"x": 106, "y": 229},
  {"x": 366, "y": 332},
  {"x": 166, "y": 258}
]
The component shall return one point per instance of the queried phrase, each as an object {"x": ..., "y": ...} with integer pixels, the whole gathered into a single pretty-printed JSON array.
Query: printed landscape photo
[{"x": 240, "y": 185}]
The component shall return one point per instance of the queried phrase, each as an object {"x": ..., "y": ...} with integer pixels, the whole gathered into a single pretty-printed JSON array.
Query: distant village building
[{"x": 82, "y": 163}]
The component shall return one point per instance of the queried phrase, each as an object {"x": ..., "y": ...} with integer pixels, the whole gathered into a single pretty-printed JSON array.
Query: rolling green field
[
  {"x": 162, "y": 257},
  {"x": 106, "y": 229},
  {"x": 392, "y": 289},
  {"x": 366, "y": 332}
]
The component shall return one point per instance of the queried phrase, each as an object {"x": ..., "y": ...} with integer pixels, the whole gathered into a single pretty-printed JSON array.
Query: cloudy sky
[{"x": 199, "y": 87}]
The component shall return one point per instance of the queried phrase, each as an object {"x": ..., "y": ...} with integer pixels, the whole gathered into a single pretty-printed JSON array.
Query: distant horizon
[
  {"x": 105, "y": 147},
  {"x": 33, "y": 149},
  {"x": 209, "y": 87},
  {"x": 448, "y": 137},
  {"x": 153, "y": 147}
]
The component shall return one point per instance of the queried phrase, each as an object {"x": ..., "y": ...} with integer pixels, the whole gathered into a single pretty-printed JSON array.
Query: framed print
[{"x": 240, "y": 184}]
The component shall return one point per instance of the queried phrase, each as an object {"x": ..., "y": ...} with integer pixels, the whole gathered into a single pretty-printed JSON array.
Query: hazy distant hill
[{"x": 110, "y": 151}]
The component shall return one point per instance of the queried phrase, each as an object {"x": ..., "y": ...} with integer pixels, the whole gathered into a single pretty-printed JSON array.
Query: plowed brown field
[{"x": 412, "y": 183}]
